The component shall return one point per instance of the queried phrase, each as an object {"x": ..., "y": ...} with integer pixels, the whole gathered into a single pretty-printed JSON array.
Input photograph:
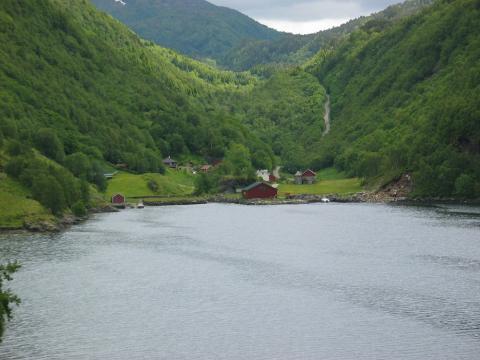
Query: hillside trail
[{"x": 326, "y": 117}]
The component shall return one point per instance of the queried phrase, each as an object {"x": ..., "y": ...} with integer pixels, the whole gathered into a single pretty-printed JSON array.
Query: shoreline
[{"x": 70, "y": 220}]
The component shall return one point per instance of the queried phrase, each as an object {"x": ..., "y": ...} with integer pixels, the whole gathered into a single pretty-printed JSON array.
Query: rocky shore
[{"x": 379, "y": 197}]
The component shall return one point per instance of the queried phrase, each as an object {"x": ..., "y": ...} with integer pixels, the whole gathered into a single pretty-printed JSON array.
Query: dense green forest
[
  {"x": 193, "y": 27},
  {"x": 286, "y": 111},
  {"x": 406, "y": 98},
  {"x": 83, "y": 90}
]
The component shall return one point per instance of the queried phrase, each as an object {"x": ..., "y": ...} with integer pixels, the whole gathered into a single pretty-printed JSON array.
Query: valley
[{"x": 84, "y": 96}]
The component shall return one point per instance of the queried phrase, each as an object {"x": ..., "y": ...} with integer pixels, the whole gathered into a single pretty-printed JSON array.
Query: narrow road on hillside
[
  {"x": 276, "y": 172},
  {"x": 327, "y": 116}
]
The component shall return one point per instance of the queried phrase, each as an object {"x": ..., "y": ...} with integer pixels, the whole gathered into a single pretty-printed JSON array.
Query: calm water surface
[{"x": 233, "y": 282}]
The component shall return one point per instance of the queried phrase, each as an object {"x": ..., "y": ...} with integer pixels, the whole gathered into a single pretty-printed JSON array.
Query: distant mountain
[
  {"x": 193, "y": 27},
  {"x": 296, "y": 49}
]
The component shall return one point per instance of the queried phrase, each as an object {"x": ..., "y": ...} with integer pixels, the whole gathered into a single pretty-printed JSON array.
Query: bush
[
  {"x": 16, "y": 148},
  {"x": 205, "y": 184},
  {"x": 15, "y": 167},
  {"x": 79, "y": 209},
  {"x": 47, "y": 190},
  {"x": 6, "y": 296},
  {"x": 48, "y": 143},
  {"x": 153, "y": 185},
  {"x": 465, "y": 186}
]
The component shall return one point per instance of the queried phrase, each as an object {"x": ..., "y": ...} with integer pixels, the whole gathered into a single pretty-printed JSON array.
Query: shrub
[
  {"x": 153, "y": 185},
  {"x": 465, "y": 186},
  {"x": 79, "y": 209},
  {"x": 15, "y": 167},
  {"x": 7, "y": 298},
  {"x": 47, "y": 190},
  {"x": 47, "y": 141}
]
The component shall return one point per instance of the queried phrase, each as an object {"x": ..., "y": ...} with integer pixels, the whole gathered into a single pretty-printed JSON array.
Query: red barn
[
  {"x": 309, "y": 177},
  {"x": 260, "y": 190},
  {"x": 118, "y": 199}
]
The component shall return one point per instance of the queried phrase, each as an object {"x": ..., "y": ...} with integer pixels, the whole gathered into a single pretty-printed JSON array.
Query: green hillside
[
  {"x": 407, "y": 99},
  {"x": 193, "y": 27},
  {"x": 106, "y": 92},
  {"x": 84, "y": 91},
  {"x": 286, "y": 111}
]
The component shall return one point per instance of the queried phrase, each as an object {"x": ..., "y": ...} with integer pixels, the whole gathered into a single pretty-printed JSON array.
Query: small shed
[
  {"x": 298, "y": 178},
  {"x": 118, "y": 199},
  {"x": 272, "y": 179},
  {"x": 260, "y": 190},
  {"x": 309, "y": 177},
  {"x": 205, "y": 168},
  {"x": 172, "y": 164}
]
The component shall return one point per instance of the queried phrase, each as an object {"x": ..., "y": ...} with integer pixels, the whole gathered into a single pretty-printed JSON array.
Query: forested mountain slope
[
  {"x": 105, "y": 92},
  {"x": 407, "y": 99},
  {"x": 193, "y": 27},
  {"x": 286, "y": 111},
  {"x": 79, "y": 90},
  {"x": 296, "y": 49}
]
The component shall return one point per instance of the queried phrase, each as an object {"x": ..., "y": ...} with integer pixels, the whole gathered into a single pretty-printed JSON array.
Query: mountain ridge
[{"x": 193, "y": 27}]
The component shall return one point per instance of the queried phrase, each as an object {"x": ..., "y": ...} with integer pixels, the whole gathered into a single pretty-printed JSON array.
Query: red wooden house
[
  {"x": 118, "y": 199},
  {"x": 309, "y": 176},
  {"x": 260, "y": 190}
]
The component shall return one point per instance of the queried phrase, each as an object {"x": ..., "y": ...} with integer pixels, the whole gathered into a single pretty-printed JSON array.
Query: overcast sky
[{"x": 305, "y": 16}]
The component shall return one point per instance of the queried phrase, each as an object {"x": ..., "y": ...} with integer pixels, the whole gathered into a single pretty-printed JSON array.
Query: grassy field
[
  {"x": 15, "y": 206},
  {"x": 329, "y": 181},
  {"x": 173, "y": 183}
]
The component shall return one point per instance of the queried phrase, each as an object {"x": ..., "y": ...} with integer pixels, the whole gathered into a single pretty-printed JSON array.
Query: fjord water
[{"x": 235, "y": 282}]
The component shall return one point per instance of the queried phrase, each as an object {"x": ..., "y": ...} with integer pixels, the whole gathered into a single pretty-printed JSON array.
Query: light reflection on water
[{"x": 232, "y": 282}]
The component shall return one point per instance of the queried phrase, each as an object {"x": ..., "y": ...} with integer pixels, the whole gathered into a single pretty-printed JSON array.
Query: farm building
[
  {"x": 118, "y": 199},
  {"x": 260, "y": 190},
  {"x": 172, "y": 164},
  {"x": 205, "y": 168},
  {"x": 307, "y": 177}
]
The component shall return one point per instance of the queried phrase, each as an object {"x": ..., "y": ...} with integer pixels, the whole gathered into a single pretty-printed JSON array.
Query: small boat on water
[
  {"x": 325, "y": 200},
  {"x": 140, "y": 205}
]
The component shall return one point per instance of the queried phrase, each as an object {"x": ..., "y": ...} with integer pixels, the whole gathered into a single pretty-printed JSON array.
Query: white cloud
[
  {"x": 304, "y": 16},
  {"x": 303, "y": 27}
]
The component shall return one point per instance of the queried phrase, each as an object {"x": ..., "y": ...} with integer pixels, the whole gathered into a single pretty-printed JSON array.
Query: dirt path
[{"x": 327, "y": 116}]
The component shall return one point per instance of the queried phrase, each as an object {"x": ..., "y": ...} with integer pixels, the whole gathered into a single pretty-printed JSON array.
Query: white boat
[
  {"x": 325, "y": 200},
  {"x": 140, "y": 205}
]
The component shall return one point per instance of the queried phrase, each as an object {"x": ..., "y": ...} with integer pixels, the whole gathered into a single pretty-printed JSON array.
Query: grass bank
[
  {"x": 16, "y": 206},
  {"x": 173, "y": 183},
  {"x": 329, "y": 181}
]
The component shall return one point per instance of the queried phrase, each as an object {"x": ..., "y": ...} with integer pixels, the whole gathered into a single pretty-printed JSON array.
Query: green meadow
[
  {"x": 329, "y": 181},
  {"x": 173, "y": 183},
  {"x": 17, "y": 207}
]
